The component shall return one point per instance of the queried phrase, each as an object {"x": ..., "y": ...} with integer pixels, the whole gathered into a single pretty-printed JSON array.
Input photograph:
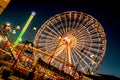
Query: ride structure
[
  {"x": 72, "y": 41},
  {"x": 67, "y": 46}
]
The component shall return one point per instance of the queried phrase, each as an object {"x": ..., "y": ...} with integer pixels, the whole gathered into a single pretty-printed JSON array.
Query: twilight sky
[{"x": 107, "y": 13}]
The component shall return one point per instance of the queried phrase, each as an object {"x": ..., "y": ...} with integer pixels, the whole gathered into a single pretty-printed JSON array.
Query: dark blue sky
[{"x": 107, "y": 13}]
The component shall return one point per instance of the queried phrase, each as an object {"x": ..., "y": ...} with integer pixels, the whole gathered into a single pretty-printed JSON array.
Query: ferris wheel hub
[{"x": 68, "y": 39}]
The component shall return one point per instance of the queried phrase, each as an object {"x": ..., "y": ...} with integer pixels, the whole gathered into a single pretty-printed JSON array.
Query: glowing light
[
  {"x": 18, "y": 27},
  {"x": 92, "y": 56},
  {"x": 14, "y": 31},
  {"x": 33, "y": 13},
  {"x": 24, "y": 28},
  {"x": 8, "y": 24},
  {"x": 34, "y": 28}
]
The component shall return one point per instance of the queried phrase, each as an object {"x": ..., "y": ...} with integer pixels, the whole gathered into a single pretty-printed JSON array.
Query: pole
[{"x": 24, "y": 28}]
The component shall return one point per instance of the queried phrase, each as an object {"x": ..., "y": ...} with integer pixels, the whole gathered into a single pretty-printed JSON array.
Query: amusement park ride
[{"x": 67, "y": 46}]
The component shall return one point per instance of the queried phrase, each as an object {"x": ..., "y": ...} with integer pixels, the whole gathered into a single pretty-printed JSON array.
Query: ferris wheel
[{"x": 72, "y": 39}]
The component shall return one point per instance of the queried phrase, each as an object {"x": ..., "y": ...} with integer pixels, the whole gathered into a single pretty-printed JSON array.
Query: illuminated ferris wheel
[{"x": 72, "y": 39}]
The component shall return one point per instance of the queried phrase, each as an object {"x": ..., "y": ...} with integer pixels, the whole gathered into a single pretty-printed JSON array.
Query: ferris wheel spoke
[
  {"x": 95, "y": 44},
  {"x": 58, "y": 18},
  {"x": 85, "y": 32},
  {"x": 44, "y": 36},
  {"x": 82, "y": 31},
  {"x": 82, "y": 37},
  {"x": 59, "y": 32},
  {"x": 89, "y": 23},
  {"x": 84, "y": 20},
  {"x": 56, "y": 27},
  {"x": 82, "y": 41},
  {"x": 52, "y": 31},
  {"x": 67, "y": 21},
  {"x": 95, "y": 35},
  {"x": 74, "y": 18},
  {"x": 79, "y": 35},
  {"x": 47, "y": 47},
  {"x": 80, "y": 66},
  {"x": 97, "y": 53},
  {"x": 79, "y": 61},
  {"x": 47, "y": 43},
  {"x": 64, "y": 23},
  {"x": 77, "y": 56},
  {"x": 83, "y": 59},
  {"x": 87, "y": 66},
  {"x": 79, "y": 30},
  {"x": 71, "y": 21},
  {"x": 51, "y": 47},
  {"x": 50, "y": 34},
  {"x": 80, "y": 45},
  {"x": 85, "y": 56},
  {"x": 75, "y": 27},
  {"x": 43, "y": 45},
  {"x": 80, "y": 16},
  {"x": 96, "y": 40},
  {"x": 91, "y": 55},
  {"x": 73, "y": 57},
  {"x": 94, "y": 49},
  {"x": 90, "y": 27},
  {"x": 93, "y": 32},
  {"x": 79, "y": 23},
  {"x": 49, "y": 40},
  {"x": 50, "y": 44}
]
